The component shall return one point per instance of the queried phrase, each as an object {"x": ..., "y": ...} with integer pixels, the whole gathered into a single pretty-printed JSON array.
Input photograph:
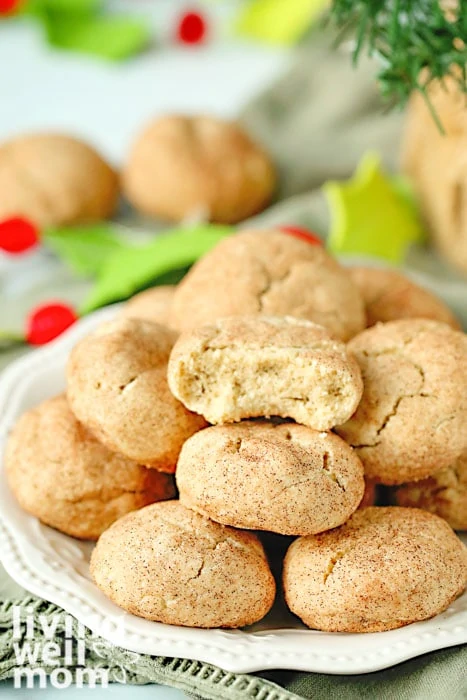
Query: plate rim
[{"x": 234, "y": 651}]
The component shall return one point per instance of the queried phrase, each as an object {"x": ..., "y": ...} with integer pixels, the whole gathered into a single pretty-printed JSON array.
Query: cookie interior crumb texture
[
  {"x": 169, "y": 564},
  {"x": 385, "y": 568},
  {"x": 245, "y": 367},
  {"x": 286, "y": 478}
]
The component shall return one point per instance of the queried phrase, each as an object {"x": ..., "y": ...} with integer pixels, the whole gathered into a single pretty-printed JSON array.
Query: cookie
[
  {"x": 283, "y": 478},
  {"x": 385, "y": 568},
  {"x": 411, "y": 420},
  {"x": 52, "y": 179},
  {"x": 169, "y": 564},
  {"x": 180, "y": 166},
  {"x": 389, "y": 296},
  {"x": 444, "y": 493},
  {"x": 269, "y": 272},
  {"x": 245, "y": 367},
  {"x": 62, "y": 475},
  {"x": 151, "y": 305},
  {"x": 117, "y": 387}
]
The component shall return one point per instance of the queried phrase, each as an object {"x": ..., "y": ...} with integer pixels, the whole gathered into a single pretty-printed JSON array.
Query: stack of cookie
[{"x": 304, "y": 404}]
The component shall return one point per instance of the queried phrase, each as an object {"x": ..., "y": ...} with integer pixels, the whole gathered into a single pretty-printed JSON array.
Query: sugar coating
[
  {"x": 151, "y": 305},
  {"x": 444, "y": 493},
  {"x": 53, "y": 179},
  {"x": 61, "y": 474},
  {"x": 389, "y": 296},
  {"x": 117, "y": 387},
  {"x": 183, "y": 165},
  {"x": 284, "y": 478},
  {"x": 253, "y": 366},
  {"x": 383, "y": 569},
  {"x": 272, "y": 273},
  {"x": 411, "y": 420},
  {"x": 167, "y": 563}
]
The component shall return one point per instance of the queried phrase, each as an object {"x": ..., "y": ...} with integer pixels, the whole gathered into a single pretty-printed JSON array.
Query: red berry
[
  {"x": 48, "y": 321},
  {"x": 7, "y": 6},
  {"x": 191, "y": 28},
  {"x": 302, "y": 233},
  {"x": 17, "y": 235}
]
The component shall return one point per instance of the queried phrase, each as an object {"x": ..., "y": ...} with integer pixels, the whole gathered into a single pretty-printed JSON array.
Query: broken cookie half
[{"x": 262, "y": 366}]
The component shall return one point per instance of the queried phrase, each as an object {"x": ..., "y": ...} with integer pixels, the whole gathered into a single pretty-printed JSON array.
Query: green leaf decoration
[
  {"x": 8, "y": 339},
  {"x": 84, "y": 248},
  {"x": 110, "y": 37},
  {"x": 76, "y": 8},
  {"x": 371, "y": 214},
  {"x": 129, "y": 270}
]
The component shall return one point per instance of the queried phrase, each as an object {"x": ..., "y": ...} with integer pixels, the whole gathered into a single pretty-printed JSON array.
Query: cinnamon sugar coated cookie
[
  {"x": 269, "y": 272},
  {"x": 117, "y": 387},
  {"x": 389, "y": 296},
  {"x": 166, "y": 563},
  {"x": 52, "y": 179},
  {"x": 151, "y": 305},
  {"x": 444, "y": 493},
  {"x": 61, "y": 474},
  {"x": 185, "y": 165},
  {"x": 245, "y": 367},
  {"x": 411, "y": 421},
  {"x": 383, "y": 569},
  {"x": 283, "y": 478}
]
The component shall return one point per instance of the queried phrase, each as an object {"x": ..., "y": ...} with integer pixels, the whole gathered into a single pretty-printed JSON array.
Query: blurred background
[{"x": 79, "y": 218}]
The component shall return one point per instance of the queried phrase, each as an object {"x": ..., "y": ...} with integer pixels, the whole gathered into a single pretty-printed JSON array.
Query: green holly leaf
[
  {"x": 77, "y": 8},
  {"x": 129, "y": 270},
  {"x": 371, "y": 214},
  {"x": 84, "y": 248},
  {"x": 110, "y": 37}
]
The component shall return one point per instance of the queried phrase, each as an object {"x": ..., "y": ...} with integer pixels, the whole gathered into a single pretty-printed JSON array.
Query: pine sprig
[{"x": 417, "y": 41}]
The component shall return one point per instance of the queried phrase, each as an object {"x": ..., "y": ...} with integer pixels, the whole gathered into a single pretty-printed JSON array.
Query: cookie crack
[{"x": 331, "y": 474}]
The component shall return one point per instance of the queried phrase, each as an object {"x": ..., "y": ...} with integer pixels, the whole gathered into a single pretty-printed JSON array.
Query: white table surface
[{"x": 106, "y": 104}]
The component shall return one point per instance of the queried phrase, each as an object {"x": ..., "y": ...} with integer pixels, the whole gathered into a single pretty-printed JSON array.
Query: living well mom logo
[{"x": 54, "y": 649}]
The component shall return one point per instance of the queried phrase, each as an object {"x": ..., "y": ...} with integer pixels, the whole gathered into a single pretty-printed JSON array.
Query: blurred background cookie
[
  {"x": 117, "y": 387},
  {"x": 444, "y": 493},
  {"x": 169, "y": 564},
  {"x": 284, "y": 478},
  {"x": 411, "y": 420},
  {"x": 389, "y": 296},
  {"x": 385, "y": 568},
  {"x": 153, "y": 304},
  {"x": 180, "y": 166},
  {"x": 53, "y": 179},
  {"x": 60, "y": 473},
  {"x": 262, "y": 366},
  {"x": 273, "y": 273}
]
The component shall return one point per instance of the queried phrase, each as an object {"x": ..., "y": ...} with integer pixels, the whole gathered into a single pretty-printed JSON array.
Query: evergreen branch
[{"x": 418, "y": 41}]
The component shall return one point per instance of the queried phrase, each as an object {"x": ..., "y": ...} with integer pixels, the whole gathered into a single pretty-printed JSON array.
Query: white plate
[{"x": 55, "y": 567}]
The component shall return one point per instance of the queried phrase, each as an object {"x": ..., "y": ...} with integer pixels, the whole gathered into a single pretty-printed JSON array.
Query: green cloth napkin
[{"x": 316, "y": 121}]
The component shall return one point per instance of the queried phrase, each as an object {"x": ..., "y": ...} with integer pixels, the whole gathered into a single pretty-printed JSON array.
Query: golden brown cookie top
[
  {"x": 411, "y": 419},
  {"x": 55, "y": 179},
  {"x": 170, "y": 564},
  {"x": 182, "y": 165},
  {"x": 444, "y": 493},
  {"x": 389, "y": 296},
  {"x": 384, "y": 568},
  {"x": 117, "y": 387},
  {"x": 269, "y": 272},
  {"x": 283, "y": 478},
  {"x": 63, "y": 475},
  {"x": 151, "y": 305}
]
